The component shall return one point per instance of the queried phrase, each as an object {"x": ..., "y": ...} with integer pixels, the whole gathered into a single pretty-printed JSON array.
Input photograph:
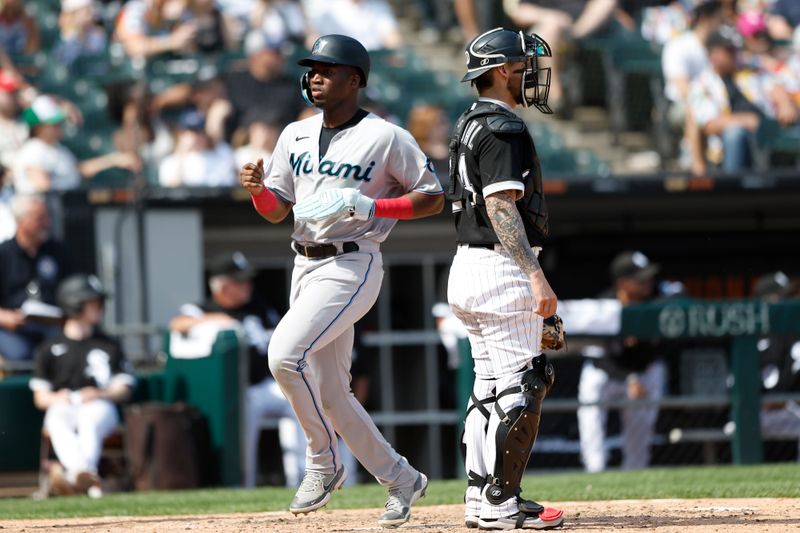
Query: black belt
[
  {"x": 321, "y": 251},
  {"x": 487, "y": 246}
]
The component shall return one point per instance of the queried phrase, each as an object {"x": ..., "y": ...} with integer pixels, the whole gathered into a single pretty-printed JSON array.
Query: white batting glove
[
  {"x": 334, "y": 203},
  {"x": 361, "y": 207}
]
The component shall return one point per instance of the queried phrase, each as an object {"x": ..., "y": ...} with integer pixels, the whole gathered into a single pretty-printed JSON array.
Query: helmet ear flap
[{"x": 305, "y": 90}]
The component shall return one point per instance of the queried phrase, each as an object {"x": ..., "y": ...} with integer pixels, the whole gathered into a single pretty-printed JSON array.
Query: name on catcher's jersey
[{"x": 376, "y": 157}]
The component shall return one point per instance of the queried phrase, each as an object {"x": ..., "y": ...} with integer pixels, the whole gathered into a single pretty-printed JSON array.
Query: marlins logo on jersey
[
  {"x": 376, "y": 157},
  {"x": 302, "y": 164}
]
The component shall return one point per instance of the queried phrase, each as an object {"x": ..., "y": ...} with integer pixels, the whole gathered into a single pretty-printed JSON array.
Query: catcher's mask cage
[{"x": 483, "y": 55}]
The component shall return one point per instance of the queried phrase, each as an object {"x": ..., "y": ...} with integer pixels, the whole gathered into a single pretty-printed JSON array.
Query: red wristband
[
  {"x": 265, "y": 201},
  {"x": 401, "y": 208}
]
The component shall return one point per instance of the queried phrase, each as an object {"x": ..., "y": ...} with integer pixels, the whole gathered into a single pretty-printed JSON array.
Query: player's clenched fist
[
  {"x": 545, "y": 298},
  {"x": 252, "y": 177}
]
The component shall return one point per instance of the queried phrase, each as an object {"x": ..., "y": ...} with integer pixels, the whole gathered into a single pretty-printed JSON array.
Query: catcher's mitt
[{"x": 553, "y": 337}]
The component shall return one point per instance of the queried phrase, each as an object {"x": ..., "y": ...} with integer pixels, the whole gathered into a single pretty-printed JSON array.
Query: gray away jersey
[{"x": 376, "y": 157}]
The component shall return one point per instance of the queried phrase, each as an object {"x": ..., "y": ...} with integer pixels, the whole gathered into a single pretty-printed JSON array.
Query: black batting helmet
[
  {"x": 76, "y": 290},
  {"x": 335, "y": 50},
  {"x": 499, "y": 46}
]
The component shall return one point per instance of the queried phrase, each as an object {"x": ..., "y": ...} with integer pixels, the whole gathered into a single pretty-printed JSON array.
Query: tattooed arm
[{"x": 507, "y": 224}]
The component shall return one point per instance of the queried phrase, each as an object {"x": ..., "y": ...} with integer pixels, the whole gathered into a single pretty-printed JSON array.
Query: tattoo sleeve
[{"x": 507, "y": 224}]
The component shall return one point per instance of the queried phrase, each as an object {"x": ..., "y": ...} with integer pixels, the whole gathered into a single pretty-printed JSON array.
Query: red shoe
[{"x": 550, "y": 518}]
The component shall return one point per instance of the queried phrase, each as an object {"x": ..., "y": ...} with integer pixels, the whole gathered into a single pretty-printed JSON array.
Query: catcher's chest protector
[{"x": 464, "y": 189}]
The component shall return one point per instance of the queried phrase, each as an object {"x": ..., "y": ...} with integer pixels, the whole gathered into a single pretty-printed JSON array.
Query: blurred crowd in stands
[{"x": 182, "y": 92}]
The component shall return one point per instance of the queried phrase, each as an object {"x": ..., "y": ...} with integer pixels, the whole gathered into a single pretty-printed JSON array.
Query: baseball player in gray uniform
[
  {"x": 347, "y": 176},
  {"x": 496, "y": 287}
]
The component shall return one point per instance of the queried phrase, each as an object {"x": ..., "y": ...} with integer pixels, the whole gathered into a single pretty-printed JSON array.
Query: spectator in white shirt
[
  {"x": 44, "y": 164},
  {"x": 13, "y": 131},
  {"x": 683, "y": 59},
  {"x": 8, "y": 226},
  {"x": 371, "y": 22},
  {"x": 80, "y": 33},
  {"x": 151, "y": 27},
  {"x": 685, "y": 56},
  {"x": 197, "y": 161}
]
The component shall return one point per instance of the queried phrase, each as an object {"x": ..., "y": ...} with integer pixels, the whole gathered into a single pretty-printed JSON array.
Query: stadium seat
[
  {"x": 625, "y": 58},
  {"x": 559, "y": 163},
  {"x": 97, "y": 67},
  {"x": 85, "y": 145},
  {"x": 772, "y": 138},
  {"x": 112, "y": 178}
]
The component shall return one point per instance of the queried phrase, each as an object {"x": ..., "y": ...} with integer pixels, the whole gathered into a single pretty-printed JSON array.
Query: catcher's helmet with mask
[{"x": 500, "y": 46}]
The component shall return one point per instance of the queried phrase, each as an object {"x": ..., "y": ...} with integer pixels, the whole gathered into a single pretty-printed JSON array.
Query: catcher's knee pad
[{"x": 517, "y": 430}]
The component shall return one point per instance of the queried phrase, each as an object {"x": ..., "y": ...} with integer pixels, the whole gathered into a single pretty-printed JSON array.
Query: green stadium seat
[
  {"x": 96, "y": 67},
  {"x": 35, "y": 7},
  {"x": 772, "y": 138},
  {"x": 86, "y": 145},
  {"x": 589, "y": 164},
  {"x": 559, "y": 163},
  {"x": 112, "y": 178},
  {"x": 49, "y": 37},
  {"x": 227, "y": 59},
  {"x": 626, "y": 57},
  {"x": 98, "y": 121}
]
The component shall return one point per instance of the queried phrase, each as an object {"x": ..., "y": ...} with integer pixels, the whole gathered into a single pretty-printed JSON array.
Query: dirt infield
[{"x": 685, "y": 516}]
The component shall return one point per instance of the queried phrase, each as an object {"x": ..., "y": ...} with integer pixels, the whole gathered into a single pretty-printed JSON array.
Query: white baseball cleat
[
  {"x": 315, "y": 490},
  {"x": 398, "y": 506}
]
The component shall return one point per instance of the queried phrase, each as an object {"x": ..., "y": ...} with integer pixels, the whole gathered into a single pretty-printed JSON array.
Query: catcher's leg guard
[{"x": 517, "y": 430}]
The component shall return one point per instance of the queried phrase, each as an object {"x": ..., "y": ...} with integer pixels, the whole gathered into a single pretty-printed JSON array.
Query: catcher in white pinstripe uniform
[{"x": 496, "y": 286}]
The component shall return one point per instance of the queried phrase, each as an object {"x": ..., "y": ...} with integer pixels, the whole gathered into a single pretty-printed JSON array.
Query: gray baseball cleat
[
  {"x": 398, "y": 506},
  {"x": 315, "y": 490}
]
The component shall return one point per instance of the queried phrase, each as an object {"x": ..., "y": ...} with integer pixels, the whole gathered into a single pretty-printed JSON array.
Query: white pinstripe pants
[{"x": 493, "y": 299}]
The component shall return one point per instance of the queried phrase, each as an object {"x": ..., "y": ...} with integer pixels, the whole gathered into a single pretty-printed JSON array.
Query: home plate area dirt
[{"x": 685, "y": 516}]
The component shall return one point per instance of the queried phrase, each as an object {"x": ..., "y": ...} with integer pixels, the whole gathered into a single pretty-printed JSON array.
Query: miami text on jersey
[{"x": 302, "y": 164}]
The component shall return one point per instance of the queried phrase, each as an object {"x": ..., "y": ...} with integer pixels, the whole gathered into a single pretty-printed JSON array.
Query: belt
[
  {"x": 321, "y": 251},
  {"x": 489, "y": 246}
]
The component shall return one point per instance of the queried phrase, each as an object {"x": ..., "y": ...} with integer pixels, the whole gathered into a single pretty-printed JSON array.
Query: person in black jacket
[{"x": 31, "y": 266}]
